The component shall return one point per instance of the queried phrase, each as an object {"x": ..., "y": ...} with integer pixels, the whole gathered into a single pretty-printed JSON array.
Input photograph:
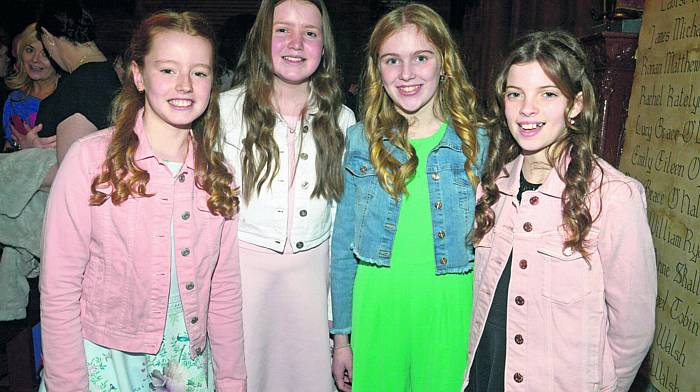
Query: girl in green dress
[{"x": 401, "y": 258}]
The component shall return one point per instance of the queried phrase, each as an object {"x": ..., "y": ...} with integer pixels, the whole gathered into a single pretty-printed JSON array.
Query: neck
[
  {"x": 83, "y": 54},
  {"x": 168, "y": 143},
  {"x": 422, "y": 126},
  {"x": 536, "y": 167},
  {"x": 43, "y": 88},
  {"x": 289, "y": 99}
]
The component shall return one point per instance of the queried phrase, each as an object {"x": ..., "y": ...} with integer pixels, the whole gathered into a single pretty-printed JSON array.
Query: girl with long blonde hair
[
  {"x": 140, "y": 284},
  {"x": 284, "y": 125},
  {"x": 401, "y": 259}
]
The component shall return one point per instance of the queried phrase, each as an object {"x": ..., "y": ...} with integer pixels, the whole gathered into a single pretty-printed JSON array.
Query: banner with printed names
[{"x": 662, "y": 150}]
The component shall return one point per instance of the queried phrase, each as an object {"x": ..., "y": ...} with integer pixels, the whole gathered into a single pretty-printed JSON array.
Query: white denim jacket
[{"x": 263, "y": 219}]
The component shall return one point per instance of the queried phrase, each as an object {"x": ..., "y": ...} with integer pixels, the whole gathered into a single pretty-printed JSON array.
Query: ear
[
  {"x": 138, "y": 76},
  {"x": 577, "y": 106},
  {"x": 50, "y": 39}
]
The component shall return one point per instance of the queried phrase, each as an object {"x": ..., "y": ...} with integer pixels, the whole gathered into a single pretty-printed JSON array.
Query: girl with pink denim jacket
[
  {"x": 565, "y": 277},
  {"x": 137, "y": 291}
]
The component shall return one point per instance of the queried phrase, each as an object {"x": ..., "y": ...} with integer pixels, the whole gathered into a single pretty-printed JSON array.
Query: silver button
[
  {"x": 181, "y": 177},
  {"x": 186, "y": 215},
  {"x": 300, "y": 245},
  {"x": 185, "y": 252},
  {"x": 304, "y": 156},
  {"x": 305, "y": 185},
  {"x": 305, "y": 129},
  {"x": 194, "y": 320},
  {"x": 189, "y": 286},
  {"x": 302, "y": 212},
  {"x": 198, "y": 351}
]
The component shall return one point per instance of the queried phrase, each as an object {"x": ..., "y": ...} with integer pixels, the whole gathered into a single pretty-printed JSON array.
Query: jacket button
[
  {"x": 300, "y": 245},
  {"x": 441, "y": 234},
  {"x": 534, "y": 200},
  {"x": 523, "y": 264},
  {"x": 302, "y": 212},
  {"x": 438, "y": 205},
  {"x": 305, "y": 185},
  {"x": 185, "y": 252},
  {"x": 363, "y": 169},
  {"x": 519, "y": 339},
  {"x": 194, "y": 320},
  {"x": 198, "y": 351},
  {"x": 304, "y": 156},
  {"x": 305, "y": 129},
  {"x": 527, "y": 227},
  {"x": 435, "y": 176},
  {"x": 520, "y": 301},
  {"x": 186, "y": 215},
  {"x": 189, "y": 286},
  {"x": 443, "y": 260},
  {"x": 518, "y": 378},
  {"x": 181, "y": 177}
]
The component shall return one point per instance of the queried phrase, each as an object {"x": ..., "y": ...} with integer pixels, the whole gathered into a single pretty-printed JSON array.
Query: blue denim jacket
[{"x": 366, "y": 218}]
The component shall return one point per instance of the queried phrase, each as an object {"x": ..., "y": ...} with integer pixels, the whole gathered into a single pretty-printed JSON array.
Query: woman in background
[{"x": 34, "y": 80}]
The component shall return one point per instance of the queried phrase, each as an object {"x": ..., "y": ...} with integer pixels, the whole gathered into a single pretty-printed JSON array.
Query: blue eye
[
  {"x": 421, "y": 58},
  {"x": 391, "y": 61},
  {"x": 512, "y": 95},
  {"x": 167, "y": 71},
  {"x": 311, "y": 34}
]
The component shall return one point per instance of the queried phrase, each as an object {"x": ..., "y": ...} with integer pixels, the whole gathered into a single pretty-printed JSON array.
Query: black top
[
  {"x": 89, "y": 90},
  {"x": 488, "y": 369}
]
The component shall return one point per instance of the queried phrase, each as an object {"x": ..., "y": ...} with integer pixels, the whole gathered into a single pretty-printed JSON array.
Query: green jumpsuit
[{"x": 410, "y": 326}]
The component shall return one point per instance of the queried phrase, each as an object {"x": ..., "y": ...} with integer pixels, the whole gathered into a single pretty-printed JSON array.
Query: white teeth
[
  {"x": 181, "y": 102},
  {"x": 409, "y": 89},
  {"x": 530, "y": 126},
  {"x": 293, "y": 59}
]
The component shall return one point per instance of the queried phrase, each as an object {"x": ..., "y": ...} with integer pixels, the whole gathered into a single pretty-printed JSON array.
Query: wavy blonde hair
[
  {"x": 260, "y": 163},
  {"x": 20, "y": 80},
  {"x": 119, "y": 172},
  {"x": 455, "y": 99},
  {"x": 565, "y": 62}
]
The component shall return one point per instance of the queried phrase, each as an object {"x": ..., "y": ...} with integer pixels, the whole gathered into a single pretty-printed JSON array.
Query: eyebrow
[
  {"x": 412, "y": 54},
  {"x": 161, "y": 62},
  {"x": 539, "y": 87},
  {"x": 306, "y": 26}
]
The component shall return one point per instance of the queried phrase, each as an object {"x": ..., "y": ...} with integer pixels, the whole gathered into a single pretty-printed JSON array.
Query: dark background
[{"x": 483, "y": 28}]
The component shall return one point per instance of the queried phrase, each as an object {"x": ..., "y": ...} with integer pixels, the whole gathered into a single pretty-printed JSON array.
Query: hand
[
  {"x": 342, "y": 368},
  {"x": 32, "y": 139}
]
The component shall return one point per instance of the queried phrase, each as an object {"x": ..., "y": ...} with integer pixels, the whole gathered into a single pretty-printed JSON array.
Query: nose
[
  {"x": 529, "y": 106},
  {"x": 296, "y": 41},
  {"x": 184, "y": 83},
  {"x": 407, "y": 71},
  {"x": 36, "y": 56}
]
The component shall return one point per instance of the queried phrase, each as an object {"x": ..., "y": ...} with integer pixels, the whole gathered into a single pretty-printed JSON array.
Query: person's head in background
[
  {"x": 67, "y": 31},
  {"x": 34, "y": 70}
]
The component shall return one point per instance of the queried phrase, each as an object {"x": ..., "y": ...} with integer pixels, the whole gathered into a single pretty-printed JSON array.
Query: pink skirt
[{"x": 285, "y": 319}]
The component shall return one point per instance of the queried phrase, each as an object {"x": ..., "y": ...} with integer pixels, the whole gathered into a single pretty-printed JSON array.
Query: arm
[
  {"x": 629, "y": 273},
  {"x": 225, "y": 327},
  {"x": 66, "y": 238},
  {"x": 343, "y": 269},
  {"x": 67, "y": 132}
]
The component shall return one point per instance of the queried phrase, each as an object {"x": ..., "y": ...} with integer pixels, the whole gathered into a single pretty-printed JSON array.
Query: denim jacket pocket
[
  {"x": 365, "y": 178},
  {"x": 566, "y": 274}
]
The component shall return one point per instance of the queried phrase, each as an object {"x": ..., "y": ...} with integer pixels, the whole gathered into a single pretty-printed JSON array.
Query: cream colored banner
[{"x": 662, "y": 150}]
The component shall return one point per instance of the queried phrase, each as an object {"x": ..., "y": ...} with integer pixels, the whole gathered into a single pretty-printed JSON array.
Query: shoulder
[
  {"x": 232, "y": 99},
  {"x": 355, "y": 138},
  {"x": 92, "y": 148},
  {"x": 231, "y": 115},
  {"x": 346, "y": 118},
  {"x": 613, "y": 184}
]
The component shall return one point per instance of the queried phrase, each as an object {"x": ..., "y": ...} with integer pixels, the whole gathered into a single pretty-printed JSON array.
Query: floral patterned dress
[{"x": 172, "y": 369}]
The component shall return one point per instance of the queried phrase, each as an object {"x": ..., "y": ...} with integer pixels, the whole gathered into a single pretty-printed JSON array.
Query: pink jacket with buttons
[
  {"x": 572, "y": 325},
  {"x": 105, "y": 269}
]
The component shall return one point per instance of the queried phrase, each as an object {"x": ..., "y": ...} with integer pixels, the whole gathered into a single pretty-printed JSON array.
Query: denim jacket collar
[
  {"x": 449, "y": 140},
  {"x": 144, "y": 149}
]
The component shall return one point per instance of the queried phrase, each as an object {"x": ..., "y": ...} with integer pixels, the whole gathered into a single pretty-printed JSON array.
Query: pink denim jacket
[
  {"x": 572, "y": 325},
  {"x": 105, "y": 269}
]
